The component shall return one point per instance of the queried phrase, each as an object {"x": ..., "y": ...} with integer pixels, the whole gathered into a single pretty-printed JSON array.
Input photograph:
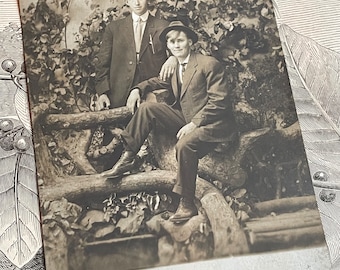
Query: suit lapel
[
  {"x": 129, "y": 33},
  {"x": 174, "y": 84},
  {"x": 148, "y": 33},
  {"x": 189, "y": 73}
]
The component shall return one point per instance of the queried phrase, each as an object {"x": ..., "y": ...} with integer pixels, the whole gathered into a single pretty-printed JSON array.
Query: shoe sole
[
  {"x": 180, "y": 220},
  {"x": 117, "y": 176}
]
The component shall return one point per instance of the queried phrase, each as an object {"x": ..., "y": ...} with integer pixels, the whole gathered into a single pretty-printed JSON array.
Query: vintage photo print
[{"x": 165, "y": 132}]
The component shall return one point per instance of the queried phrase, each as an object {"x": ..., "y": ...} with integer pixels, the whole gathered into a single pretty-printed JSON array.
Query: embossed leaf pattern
[
  {"x": 20, "y": 236},
  {"x": 331, "y": 224},
  {"x": 21, "y": 107},
  {"x": 314, "y": 73}
]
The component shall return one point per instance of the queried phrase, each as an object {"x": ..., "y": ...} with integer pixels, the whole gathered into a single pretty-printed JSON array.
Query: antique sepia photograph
[{"x": 165, "y": 132}]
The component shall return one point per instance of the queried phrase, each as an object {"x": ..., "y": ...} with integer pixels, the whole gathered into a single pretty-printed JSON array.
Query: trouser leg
[
  {"x": 189, "y": 150},
  {"x": 148, "y": 117}
]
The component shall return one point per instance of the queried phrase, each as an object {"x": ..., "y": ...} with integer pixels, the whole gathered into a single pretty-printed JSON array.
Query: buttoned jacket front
[
  {"x": 116, "y": 67},
  {"x": 203, "y": 98}
]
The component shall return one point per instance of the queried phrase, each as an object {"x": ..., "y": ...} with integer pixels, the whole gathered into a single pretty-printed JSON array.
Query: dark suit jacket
[
  {"x": 203, "y": 98},
  {"x": 116, "y": 68}
]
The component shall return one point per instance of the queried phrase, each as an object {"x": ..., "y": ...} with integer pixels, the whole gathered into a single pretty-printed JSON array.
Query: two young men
[{"x": 200, "y": 114}]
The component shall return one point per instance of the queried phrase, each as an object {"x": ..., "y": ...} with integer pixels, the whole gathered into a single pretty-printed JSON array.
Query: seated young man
[{"x": 200, "y": 114}]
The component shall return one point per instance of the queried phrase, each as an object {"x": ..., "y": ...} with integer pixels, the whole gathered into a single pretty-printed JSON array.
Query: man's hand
[
  {"x": 133, "y": 100},
  {"x": 188, "y": 128},
  {"x": 168, "y": 68},
  {"x": 103, "y": 102}
]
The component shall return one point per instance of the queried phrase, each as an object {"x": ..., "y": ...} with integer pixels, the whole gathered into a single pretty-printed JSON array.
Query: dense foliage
[{"x": 241, "y": 34}]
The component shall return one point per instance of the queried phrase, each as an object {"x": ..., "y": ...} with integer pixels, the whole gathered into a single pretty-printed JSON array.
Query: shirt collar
[
  {"x": 186, "y": 60},
  {"x": 144, "y": 17}
]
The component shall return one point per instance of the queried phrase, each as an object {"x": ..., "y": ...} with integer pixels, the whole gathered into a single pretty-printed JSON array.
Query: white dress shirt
[
  {"x": 141, "y": 20},
  {"x": 182, "y": 67}
]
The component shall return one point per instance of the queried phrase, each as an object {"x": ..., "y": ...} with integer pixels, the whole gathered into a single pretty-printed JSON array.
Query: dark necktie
[
  {"x": 180, "y": 78},
  {"x": 183, "y": 65}
]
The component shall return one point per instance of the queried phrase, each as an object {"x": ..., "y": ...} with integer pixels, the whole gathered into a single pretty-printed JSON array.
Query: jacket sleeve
[
  {"x": 152, "y": 84},
  {"x": 218, "y": 104},
  {"x": 103, "y": 62}
]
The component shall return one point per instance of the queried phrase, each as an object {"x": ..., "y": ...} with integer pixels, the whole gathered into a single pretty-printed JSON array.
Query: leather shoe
[
  {"x": 186, "y": 210},
  {"x": 125, "y": 164}
]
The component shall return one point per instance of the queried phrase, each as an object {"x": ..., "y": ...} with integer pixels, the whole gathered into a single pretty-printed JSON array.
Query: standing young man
[
  {"x": 200, "y": 115},
  {"x": 130, "y": 52}
]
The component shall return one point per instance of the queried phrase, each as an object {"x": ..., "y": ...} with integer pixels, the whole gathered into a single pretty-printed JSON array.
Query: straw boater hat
[{"x": 179, "y": 26}]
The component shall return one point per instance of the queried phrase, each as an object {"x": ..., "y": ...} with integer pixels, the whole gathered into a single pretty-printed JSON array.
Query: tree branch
[{"x": 88, "y": 119}]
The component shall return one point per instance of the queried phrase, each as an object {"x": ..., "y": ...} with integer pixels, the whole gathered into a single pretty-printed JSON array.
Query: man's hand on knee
[
  {"x": 188, "y": 128},
  {"x": 133, "y": 100}
]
